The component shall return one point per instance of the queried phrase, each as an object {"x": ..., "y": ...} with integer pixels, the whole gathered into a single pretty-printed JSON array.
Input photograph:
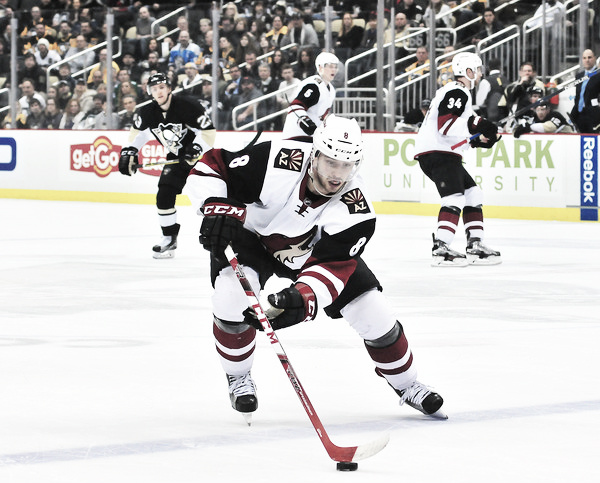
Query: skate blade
[
  {"x": 248, "y": 418},
  {"x": 484, "y": 261},
  {"x": 439, "y": 414},
  {"x": 441, "y": 262},
  {"x": 161, "y": 255}
]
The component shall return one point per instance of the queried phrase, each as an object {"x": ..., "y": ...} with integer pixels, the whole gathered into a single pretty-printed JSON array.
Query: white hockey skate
[
  {"x": 444, "y": 256},
  {"x": 165, "y": 248},
  {"x": 242, "y": 394},
  {"x": 421, "y": 398},
  {"x": 479, "y": 254}
]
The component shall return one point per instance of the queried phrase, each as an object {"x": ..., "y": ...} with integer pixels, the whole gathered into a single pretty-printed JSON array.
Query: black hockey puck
[{"x": 347, "y": 466}]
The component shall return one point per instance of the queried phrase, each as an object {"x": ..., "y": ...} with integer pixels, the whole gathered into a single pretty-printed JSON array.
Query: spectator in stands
[
  {"x": 348, "y": 37},
  {"x": 63, "y": 94},
  {"x": 128, "y": 64},
  {"x": 251, "y": 67},
  {"x": 126, "y": 119},
  {"x": 288, "y": 86},
  {"x": 276, "y": 63},
  {"x": 516, "y": 93},
  {"x": 64, "y": 73},
  {"x": 490, "y": 92},
  {"x": 193, "y": 80},
  {"x": 65, "y": 38},
  {"x": 96, "y": 80},
  {"x": 247, "y": 43},
  {"x": 489, "y": 26},
  {"x": 440, "y": 10},
  {"x": 414, "y": 11},
  {"x": 52, "y": 115},
  {"x": 31, "y": 70},
  {"x": 240, "y": 28},
  {"x": 248, "y": 93},
  {"x": 369, "y": 40},
  {"x": 82, "y": 61},
  {"x": 102, "y": 119},
  {"x": 306, "y": 63},
  {"x": 544, "y": 120},
  {"x": 35, "y": 119},
  {"x": 444, "y": 70},
  {"x": 73, "y": 116},
  {"x": 233, "y": 86},
  {"x": 205, "y": 25},
  {"x": 226, "y": 51},
  {"x": 126, "y": 88},
  {"x": 143, "y": 32},
  {"x": 257, "y": 28},
  {"x": 260, "y": 15},
  {"x": 401, "y": 27},
  {"x": 586, "y": 109},
  {"x": 554, "y": 11},
  {"x": 29, "y": 92},
  {"x": 90, "y": 32},
  {"x": 277, "y": 33},
  {"x": 35, "y": 17},
  {"x": 184, "y": 52},
  {"x": 300, "y": 33},
  {"x": 421, "y": 65},
  {"x": 226, "y": 28},
  {"x": 103, "y": 67},
  {"x": 84, "y": 95},
  {"x": 44, "y": 56},
  {"x": 267, "y": 85},
  {"x": 152, "y": 63}
]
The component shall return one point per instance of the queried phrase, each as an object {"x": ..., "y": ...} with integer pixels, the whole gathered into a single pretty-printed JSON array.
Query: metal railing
[{"x": 504, "y": 45}]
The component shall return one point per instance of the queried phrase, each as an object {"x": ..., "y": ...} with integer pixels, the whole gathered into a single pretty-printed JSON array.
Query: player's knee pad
[
  {"x": 229, "y": 326},
  {"x": 455, "y": 200},
  {"x": 370, "y": 315},
  {"x": 166, "y": 197},
  {"x": 229, "y": 300},
  {"x": 474, "y": 196},
  {"x": 388, "y": 339}
]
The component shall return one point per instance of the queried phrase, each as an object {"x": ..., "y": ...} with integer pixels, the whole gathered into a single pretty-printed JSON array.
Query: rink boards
[{"x": 542, "y": 176}]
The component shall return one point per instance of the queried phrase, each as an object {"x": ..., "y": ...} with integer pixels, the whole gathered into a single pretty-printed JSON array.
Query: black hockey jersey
[{"x": 184, "y": 122}]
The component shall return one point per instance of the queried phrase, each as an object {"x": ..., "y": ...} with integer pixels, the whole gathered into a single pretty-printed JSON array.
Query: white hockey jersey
[
  {"x": 446, "y": 121},
  {"x": 320, "y": 237},
  {"x": 315, "y": 98}
]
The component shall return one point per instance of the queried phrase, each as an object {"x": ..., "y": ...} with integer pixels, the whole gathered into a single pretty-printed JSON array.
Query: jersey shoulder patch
[
  {"x": 290, "y": 159},
  {"x": 355, "y": 201}
]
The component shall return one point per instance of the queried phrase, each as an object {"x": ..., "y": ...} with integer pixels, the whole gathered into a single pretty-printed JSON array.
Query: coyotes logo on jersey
[
  {"x": 355, "y": 201},
  {"x": 285, "y": 249},
  {"x": 289, "y": 159}
]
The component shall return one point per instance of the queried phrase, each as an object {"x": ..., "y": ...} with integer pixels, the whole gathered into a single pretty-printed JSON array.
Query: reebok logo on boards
[{"x": 589, "y": 178}]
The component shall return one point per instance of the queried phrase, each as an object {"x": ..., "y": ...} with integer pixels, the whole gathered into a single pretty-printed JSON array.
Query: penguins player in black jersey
[{"x": 186, "y": 131}]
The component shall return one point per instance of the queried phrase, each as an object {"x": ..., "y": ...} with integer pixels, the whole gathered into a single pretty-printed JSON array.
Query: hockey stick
[
  {"x": 336, "y": 453},
  {"x": 159, "y": 163},
  {"x": 533, "y": 105}
]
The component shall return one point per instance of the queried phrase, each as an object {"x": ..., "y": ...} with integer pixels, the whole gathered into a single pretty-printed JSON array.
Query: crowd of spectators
[{"x": 74, "y": 94}]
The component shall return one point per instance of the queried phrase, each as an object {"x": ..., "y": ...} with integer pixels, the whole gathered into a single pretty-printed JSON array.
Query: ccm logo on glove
[{"x": 216, "y": 209}]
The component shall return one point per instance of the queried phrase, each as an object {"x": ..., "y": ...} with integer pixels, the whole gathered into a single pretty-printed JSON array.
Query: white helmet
[
  {"x": 464, "y": 61},
  {"x": 325, "y": 58},
  {"x": 338, "y": 138}
]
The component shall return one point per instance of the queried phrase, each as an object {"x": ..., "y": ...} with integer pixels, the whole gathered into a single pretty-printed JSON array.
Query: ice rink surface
[{"x": 108, "y": 371}]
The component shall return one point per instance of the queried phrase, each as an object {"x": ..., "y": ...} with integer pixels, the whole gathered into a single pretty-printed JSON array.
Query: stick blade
[{"x": 365, "y": 451}]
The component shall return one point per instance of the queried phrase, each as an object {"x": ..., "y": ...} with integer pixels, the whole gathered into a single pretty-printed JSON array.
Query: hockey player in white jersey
[
  {"x": 314, "y": 100},
  {"x": 449, "y": 120},
  {"x": 297, "y": 209}
]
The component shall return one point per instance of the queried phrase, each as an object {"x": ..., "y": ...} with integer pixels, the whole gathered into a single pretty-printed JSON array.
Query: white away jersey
[
  {"x": 318, "y": 236},
  {"x": 315, "y": 98},
  {"x": 445, "y": 123}
]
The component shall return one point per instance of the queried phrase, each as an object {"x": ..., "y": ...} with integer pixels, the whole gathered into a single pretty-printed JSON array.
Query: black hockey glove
[
  {"x": 193, "y": 152},
  {"x": 128, "y": 161},
  {"x": 307, "y": 125},
  {"x": 223, "y": 222},
  {"x": 478, "y": 124},
  {"x": 521, "y": 129},
  {"x": 289, "y": 307},
  {"x": 478, "y": 142}
]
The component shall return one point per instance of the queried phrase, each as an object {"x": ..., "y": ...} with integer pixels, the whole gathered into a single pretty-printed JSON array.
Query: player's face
[
  {"x": 542, "y": 112},
  {"x": 328, "y": 72},
  {"x": 330, "y": 175},
  {"x": 160, "y": 93}
]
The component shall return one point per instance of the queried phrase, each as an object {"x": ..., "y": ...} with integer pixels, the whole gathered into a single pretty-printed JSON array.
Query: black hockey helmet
[
  {"x": 535, "y": 91},
  {"x": 155, "y": 79}
]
